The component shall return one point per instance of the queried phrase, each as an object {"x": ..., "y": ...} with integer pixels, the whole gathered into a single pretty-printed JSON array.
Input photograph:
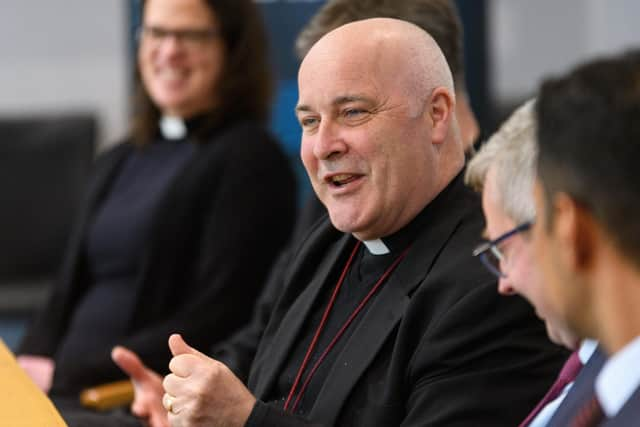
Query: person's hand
[
  {"x": 147, "y": 385},
  {"x": 39, "y": 368},
  {"x": 201, "y": 391}
]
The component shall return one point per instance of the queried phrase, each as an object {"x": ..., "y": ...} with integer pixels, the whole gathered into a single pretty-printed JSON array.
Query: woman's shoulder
[
  {"x": 117, "y": 149},
  {"x": 245, "y": 138}
]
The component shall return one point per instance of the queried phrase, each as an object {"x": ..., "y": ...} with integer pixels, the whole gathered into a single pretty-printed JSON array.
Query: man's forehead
[
  {"x": 334, "y": 102},
  {"x": 341, "y": 84}
]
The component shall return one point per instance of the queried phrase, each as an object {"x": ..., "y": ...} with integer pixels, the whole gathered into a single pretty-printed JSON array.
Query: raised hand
[
  {"x": 147, "y": 384},
  {"x": 201, "y": 391}
]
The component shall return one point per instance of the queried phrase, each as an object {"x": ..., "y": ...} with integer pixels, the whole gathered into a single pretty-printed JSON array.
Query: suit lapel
[
  {"x": 287, "y": 333},
  {"x": 581, "y": 390},
  {"x": 386, "y": 311}
]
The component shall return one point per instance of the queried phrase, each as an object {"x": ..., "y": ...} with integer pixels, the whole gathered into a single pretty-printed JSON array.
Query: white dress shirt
[{"x": 619, "y": 378}]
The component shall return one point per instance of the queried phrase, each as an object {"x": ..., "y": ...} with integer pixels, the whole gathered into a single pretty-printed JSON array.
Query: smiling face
[
  {"x": 180, "y": 74},
  {"x": 523, "y": 276},
  {"x": 365, "y": 153},
  {"x": 368, "y": 141}
]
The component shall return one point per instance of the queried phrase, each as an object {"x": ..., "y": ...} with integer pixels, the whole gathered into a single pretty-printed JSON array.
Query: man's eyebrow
[
  {"x": 350, "y": 98},
  {"x": 302, "y": 108},
  {"x": 340, "y": 100}
]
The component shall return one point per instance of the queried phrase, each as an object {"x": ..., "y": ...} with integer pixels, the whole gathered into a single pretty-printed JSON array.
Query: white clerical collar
[
  {"x": 586, "y": 350},
  {"x": 376, "y": 247},
  {"x": 619, "y": 378},
  {"x": 172, "y": 127}
]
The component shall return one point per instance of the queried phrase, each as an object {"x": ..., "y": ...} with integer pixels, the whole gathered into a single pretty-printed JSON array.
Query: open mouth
[{"x": 341, "y": 180}]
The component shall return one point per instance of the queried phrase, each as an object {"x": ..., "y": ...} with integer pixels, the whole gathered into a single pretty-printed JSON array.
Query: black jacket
[
  {"x": 438, "y": 345},
  {"x": 218, "y": 229}
]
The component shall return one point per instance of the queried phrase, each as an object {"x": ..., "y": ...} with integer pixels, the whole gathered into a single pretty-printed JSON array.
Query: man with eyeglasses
[
  {"x": 385, "y": 318},
  {"x": 503, "y": 170}
]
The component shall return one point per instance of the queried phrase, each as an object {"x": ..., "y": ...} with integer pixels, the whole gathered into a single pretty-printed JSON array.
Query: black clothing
[
  {"x": 216, "y": 231},
  {"x": 116, "y": 238},
  {"x": 238, "y": 351},
  {"x": 437, "y": 346},
  {"x": 365, "y": 271}
]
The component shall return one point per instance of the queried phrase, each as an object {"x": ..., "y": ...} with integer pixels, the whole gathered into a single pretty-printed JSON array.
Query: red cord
[{"x": 340, "y": 332}]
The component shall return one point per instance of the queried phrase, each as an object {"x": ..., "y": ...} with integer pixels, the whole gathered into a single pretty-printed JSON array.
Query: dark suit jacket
[
  {"x": 580, "y": 392},
  {"x": 438, "y": 346},
  {"x": 238, "y": 351},
  {"x": 217, "y": 231},
  {"x": 583, "y": 390}
]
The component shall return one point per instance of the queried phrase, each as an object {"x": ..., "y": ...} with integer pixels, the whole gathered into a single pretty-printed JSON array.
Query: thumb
[
  {"x": 130, "y": 363},
  {"x": 178, "y": 346}
]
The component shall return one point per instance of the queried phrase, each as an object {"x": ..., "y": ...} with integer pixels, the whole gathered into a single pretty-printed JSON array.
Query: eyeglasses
[
  {"x": 490, "y": 254},
  {"x": 189, "y": 38}
]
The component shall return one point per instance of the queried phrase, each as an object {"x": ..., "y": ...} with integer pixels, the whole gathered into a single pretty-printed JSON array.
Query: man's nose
[
  {"x": 329, "y": 142},
  {"x": 505, "y": 287}
]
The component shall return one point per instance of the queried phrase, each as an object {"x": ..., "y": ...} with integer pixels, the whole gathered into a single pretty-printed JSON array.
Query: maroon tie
[
  {"x": 568, "y": 373},
  {"x": 589, "y": 415}
]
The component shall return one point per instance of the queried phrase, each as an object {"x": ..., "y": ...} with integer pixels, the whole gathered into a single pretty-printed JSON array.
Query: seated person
[
  {"x": 504, "y": 170},
  {"x": 386, "y": 317},
  {"x": 181, "y": 222},
  {"x": 586, "y": 236},
  {"x": 440, "y": 19}
]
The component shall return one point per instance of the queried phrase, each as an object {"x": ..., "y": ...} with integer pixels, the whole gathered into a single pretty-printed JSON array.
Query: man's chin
[{"x": 562, "y": 338}]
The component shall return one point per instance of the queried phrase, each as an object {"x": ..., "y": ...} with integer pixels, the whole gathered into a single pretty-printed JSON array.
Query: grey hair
[{"x": 513, "y": 151}]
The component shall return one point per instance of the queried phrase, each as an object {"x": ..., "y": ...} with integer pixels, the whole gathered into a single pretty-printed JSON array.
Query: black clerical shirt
[{"x": 364, "y": 272}]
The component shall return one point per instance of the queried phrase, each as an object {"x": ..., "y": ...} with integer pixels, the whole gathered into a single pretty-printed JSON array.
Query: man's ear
[
  {"x": 441, "y": 112},
  {"x": 575, "y": 229}
]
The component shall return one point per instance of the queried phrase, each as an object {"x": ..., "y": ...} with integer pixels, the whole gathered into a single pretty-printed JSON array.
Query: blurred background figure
[{"x": 182, "y": 220}]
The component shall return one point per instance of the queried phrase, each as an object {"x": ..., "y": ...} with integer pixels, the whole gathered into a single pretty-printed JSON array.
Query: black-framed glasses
[
  {"x": 490, "y": 254},
  {"x": 190, "y": 38}
]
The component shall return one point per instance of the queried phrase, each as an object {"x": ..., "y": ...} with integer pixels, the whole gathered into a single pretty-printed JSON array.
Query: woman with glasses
[{"x": 182, "y": 220}]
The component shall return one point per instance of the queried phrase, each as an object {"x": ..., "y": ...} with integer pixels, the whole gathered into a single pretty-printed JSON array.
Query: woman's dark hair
[{"x": 245, "y": 86}]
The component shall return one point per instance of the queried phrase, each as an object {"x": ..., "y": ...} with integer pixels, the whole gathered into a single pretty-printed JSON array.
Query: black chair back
[{"x": 44, "y": 165}]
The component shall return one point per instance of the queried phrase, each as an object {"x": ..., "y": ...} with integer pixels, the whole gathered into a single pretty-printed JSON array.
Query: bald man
[{"x": 386, "y": 318}]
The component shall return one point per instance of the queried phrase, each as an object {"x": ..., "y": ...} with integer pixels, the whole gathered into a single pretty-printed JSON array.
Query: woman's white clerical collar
[
  {"x": 376, "y": 247},
  {"x": 172, "y": 127}
]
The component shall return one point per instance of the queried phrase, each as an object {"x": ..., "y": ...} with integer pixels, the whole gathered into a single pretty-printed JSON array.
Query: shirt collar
[
  {"x": 172, "y": 127},
  {"x": 586, "y": 350},
  {"x": 401, "y": 239},
  {"x": 376, "y": 247},
  {"x": 619, "y": 378}
]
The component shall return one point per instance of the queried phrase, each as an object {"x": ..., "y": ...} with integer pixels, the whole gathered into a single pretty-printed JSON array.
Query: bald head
[
  {"x": 392, "y": 48},
  {"x": 379, "y": 138}
]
